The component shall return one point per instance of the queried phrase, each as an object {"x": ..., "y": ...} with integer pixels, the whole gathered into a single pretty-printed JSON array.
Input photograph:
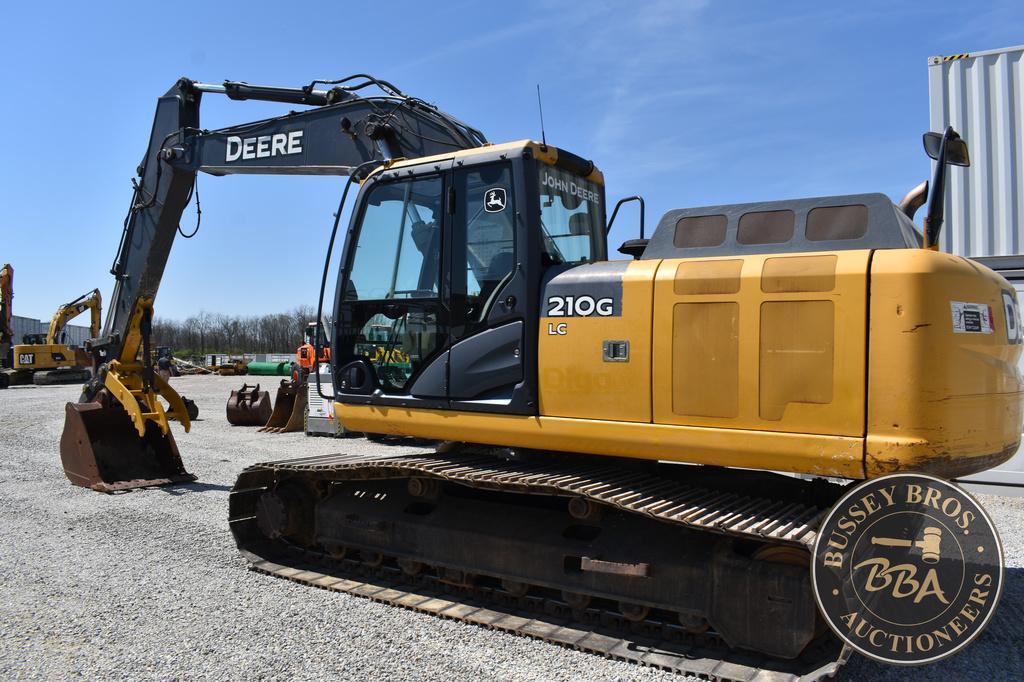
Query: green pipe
[{"x": 282, "y": 369}]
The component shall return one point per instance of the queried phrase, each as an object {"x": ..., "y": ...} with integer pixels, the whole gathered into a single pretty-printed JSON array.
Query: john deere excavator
[
  {"x": 46, "y": 359},
  {"x": 619, "y": 421}
]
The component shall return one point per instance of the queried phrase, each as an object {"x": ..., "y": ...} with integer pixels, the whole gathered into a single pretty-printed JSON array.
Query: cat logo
[{"x": 494, "y": 200}]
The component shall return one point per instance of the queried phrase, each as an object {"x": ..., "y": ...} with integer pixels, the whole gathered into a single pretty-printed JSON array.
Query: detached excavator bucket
[
  {"x": 100, "y": 449},
  {"x": 249, "y": 406},
  {"x": 289, "y": 408}
]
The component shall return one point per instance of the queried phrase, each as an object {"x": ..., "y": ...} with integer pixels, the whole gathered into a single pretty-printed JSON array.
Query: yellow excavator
[
  {"x": 6, "y": 331},
  {"x": 612, "y": 428},
  {"x": 46, "y": 359}
]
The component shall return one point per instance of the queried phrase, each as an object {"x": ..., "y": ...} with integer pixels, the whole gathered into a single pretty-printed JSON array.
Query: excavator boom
[{"x": 345, "y": 133}]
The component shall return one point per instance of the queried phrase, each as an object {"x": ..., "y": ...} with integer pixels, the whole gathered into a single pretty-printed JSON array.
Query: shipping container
[{"x": 981, "y": 94}]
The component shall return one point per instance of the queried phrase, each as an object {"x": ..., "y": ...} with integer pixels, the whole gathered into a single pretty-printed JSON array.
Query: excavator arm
[
  {"x": 91, "y": 301},
  {"x": 345, "y": 133}
]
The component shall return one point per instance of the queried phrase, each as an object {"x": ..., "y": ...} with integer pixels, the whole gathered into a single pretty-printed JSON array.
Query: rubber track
[{"x": 657, "y": 644}]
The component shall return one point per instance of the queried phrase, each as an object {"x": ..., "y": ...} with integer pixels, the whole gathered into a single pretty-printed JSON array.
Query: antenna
[{"x": 540, "y": 107}]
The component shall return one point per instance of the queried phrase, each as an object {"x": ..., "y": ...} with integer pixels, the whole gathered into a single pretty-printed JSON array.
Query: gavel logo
[{"x": 929, "y": 543}]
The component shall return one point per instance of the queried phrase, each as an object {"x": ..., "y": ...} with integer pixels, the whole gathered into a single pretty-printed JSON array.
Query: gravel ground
[{"x": 148, "y": 584}]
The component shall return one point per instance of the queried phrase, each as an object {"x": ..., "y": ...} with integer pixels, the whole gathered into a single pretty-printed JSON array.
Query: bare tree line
[{"x": 233, "y": 334}]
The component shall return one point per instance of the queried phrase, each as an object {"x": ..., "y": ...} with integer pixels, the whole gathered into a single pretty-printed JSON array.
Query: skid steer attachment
[
  {"x": 249, "y": 406},
  {"x": 289, "y": 408},
  {"x": 101, "y": 449}
]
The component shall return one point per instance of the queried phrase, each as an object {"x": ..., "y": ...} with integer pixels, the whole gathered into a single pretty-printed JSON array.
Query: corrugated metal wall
[
  {"x": 982, "y": 96},
  {"x": 76, "y": 334}
]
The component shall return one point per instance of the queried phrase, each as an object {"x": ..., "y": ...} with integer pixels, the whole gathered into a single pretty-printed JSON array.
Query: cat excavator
[
  {"x": 45, "y": 359},
  {"x": 613, "y": 430}
]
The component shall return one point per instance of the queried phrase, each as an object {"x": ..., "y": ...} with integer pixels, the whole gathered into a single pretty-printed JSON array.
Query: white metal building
[{"x": 76, "y": 334}]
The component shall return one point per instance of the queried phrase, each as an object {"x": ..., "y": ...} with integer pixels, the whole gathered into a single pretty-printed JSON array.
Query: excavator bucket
[
  {"x": 249, "y": 406},
  {"x": 289, "y": 408},
  {"x": 100, "y": 449}
]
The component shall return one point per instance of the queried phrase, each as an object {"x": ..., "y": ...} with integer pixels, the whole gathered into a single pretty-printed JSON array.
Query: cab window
[
  {"x": 398, "y": 254},
  {"x": 571, "y": 213}
]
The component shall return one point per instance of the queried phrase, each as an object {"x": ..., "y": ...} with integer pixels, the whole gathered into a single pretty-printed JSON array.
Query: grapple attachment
[
  {"x": 289, "y": 408},
  {"x": 101, "y": 449},
  {"x": 249, "y": 406}
]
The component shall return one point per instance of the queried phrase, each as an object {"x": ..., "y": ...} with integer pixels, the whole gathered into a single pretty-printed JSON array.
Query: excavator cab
[{"x": 441, "y": 279}]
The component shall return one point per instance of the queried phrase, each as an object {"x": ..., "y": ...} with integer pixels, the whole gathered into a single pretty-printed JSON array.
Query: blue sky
[{"x": 687, "y": 103}]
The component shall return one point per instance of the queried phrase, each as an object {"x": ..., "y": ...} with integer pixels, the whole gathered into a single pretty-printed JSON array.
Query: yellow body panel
[
  {"x": 44, "y": 356},
  {"x": 825, "y": 455},
  {"x": 840, "y": 364},
  {"x": 766, "y": 342},
  {"x": 575, "y": 381},
  {"x": 938, "y": 400}
]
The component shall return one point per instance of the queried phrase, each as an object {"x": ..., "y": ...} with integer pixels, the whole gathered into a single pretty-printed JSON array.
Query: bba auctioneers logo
[{"x": 907, "y": 569}]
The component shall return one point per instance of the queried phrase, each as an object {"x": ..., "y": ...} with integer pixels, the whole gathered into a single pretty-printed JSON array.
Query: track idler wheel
[
  {"x": 584, "y": 509},
  {"x": 288, "y": 512},
  {"x": 424, "y": 488},
  {"x": 634, "y": 613},
  {"x": 694, "y": 623}
]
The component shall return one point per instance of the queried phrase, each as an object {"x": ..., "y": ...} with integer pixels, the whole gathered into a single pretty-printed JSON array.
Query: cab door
[
  {"x": 392, "y": 316},
  {"x": 487, "y": 299},
  {"x": 430, "y": 310}
]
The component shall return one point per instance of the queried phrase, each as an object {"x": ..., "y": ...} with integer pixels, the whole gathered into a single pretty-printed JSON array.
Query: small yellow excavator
[
  {"x": 46, "y": 359},
  {"x": 621, "y": 420}
]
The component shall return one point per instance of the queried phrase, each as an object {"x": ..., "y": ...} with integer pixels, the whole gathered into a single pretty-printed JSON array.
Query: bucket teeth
[
  {"x": 100, "y": 449},
  {"x": 289, "y": 408}
]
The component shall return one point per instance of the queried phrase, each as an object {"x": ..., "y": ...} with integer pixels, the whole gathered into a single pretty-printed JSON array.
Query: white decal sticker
[
  {"x": 580, "y": 306},
  {"x": 971, "y": 318},
  {"x": 264, "y": 146},
  {"x": 569, "y": 187},
  {"x": 495, "y": 199}
]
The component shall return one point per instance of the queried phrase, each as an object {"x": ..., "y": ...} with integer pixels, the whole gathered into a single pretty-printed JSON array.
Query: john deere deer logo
[
  {"x": 494, "y": 199},
  {"x": 907, "y": 568}
]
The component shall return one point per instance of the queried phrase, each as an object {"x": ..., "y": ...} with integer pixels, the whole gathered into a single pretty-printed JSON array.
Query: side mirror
[
  {"x": 956, "y": 149},
  {"x": 631, "y": 247},
  {"x": 945, "y": 148}
]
